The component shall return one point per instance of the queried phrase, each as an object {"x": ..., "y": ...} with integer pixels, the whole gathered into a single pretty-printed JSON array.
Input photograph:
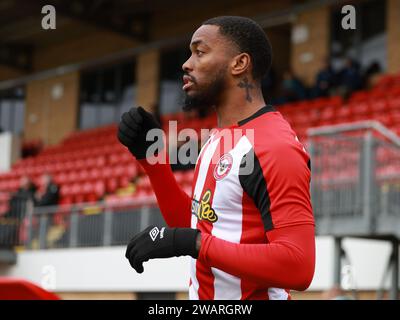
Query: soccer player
[{"x": 250, "y": 233}]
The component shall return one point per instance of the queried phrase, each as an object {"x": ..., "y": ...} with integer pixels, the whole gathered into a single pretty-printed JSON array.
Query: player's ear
[{"x": 240, "y": 64}]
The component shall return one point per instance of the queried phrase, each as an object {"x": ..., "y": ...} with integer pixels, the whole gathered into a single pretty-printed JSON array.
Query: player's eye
[{"x": 199, "y": 53}]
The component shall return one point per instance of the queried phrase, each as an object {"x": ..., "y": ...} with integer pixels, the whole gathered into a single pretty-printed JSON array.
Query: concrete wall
[
  {"x": 147, "y": 77},
  {"x": 105, "y": 270},
  {"x": 312, "y": 45},
  {"x": 51, "y": 108},
  {"x": 10, "y": 146}
]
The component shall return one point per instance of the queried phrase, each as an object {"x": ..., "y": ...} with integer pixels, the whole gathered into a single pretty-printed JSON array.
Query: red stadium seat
[
  {"x": 360, "y": 108},
  {"x": 383, "y": 118},
  {"x": 94, "y": 174},
  {"x": 144, "y": 183},
  {"x": 394, "y": 104},
  {"x": 344, "y": 113},
  {"x": 327, "y": 113},
  {"x": 378, "y": 106},
  {"x": 111, "y": 185},
  {"x": 359, "y": 96}
]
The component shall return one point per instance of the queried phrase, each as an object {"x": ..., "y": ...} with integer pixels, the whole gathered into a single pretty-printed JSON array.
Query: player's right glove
[
  {"x": 154, "y": 242},
  {"x": 133, "y": 128}
]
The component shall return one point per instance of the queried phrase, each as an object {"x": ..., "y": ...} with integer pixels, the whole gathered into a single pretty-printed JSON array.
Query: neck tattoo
[{"x": 244, "y": 84}]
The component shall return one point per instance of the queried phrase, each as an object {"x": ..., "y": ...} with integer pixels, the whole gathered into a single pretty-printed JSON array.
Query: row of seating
[{"x": 92, "y": 163}]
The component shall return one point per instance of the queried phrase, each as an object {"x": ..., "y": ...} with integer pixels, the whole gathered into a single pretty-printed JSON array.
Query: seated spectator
[
  {"x": 349, "y": 79},
  {"x": 292, "y": 88},
  {"x": 325, "y": 80},
  {"x": 371, "y": 75},
  {"x": 48, "y": 193}
]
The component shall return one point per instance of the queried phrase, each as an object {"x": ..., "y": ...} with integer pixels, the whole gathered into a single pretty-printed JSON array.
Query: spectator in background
[
  {"x": 20, "y": 198},
  {"x": 325, "y": 80},
  {"x": 19, "y": 203},
  {"x": 371, "y": 75},
  {"x": 48, "y": 193},
  {"x": 350, "y": 78},
  {"x": 292, "y": 88}
]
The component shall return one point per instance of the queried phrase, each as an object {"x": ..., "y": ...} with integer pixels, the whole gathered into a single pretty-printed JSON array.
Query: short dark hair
[{"x": 249, "y": 37}]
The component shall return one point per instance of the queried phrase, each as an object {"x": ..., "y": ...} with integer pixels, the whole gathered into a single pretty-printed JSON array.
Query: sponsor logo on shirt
[
  {"x": 223, "y": 166},
  {"x": 203, "y": 210}
]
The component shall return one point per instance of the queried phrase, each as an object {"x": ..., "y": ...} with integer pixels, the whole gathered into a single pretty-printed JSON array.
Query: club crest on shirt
[
  {"x": 203, "y": 210},
  {"x": 223, "y": 166}
]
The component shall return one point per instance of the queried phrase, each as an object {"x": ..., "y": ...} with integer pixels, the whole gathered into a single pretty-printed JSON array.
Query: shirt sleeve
[
  {"x": 286, "y": 261},
  {"x": 174, "y": 203},
  {"x": 279, "y": 184}
]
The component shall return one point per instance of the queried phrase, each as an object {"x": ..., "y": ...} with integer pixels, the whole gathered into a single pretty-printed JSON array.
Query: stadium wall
[
  {"x": 96, "y": 272},
  {"x": 52, "y": 107},
  {"x": 86, "y": 43},
  {"x": 147, "y": 78},
  {"x": 393, "y": 31},
  {"x": 307, "y": 55}
]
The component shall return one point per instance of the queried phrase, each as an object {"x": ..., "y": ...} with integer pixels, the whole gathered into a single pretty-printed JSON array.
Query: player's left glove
[{"x": 154, "y": 242}]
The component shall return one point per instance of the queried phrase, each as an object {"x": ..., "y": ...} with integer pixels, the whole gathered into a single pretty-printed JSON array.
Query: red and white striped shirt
[{"x": 257, "y": 225}]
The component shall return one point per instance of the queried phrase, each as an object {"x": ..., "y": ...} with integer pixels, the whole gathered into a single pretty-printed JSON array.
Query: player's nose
[{"x": 187, "y": 67}]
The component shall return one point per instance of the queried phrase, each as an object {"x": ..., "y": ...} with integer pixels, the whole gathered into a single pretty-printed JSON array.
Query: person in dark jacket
[
  {"x": 18, "y": 208},
  {"x": 20, "y": 198},
  {"x": 325, "y": 80},
  {"x": 350, "y": 78},
  {"x": 48, "y": 193}
]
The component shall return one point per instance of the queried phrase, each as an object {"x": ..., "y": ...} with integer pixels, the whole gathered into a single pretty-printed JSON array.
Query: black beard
[{"x": 208, "y": 96}]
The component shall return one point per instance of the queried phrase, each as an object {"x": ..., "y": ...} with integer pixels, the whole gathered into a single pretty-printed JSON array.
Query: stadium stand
[{"x": 90, "y": 164}]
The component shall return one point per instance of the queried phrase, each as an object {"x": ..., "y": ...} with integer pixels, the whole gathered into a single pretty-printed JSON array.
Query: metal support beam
[
  {"x": 394, "y": 291},
  {"x": 367, "y": 176},
  {"x": 73, "y": 229},
  {"x": 43, "y": 221},
  {"x": 393, "y": 268},
  {"x": 338, "y": 253},
  {"x": 107, "y": 233}
]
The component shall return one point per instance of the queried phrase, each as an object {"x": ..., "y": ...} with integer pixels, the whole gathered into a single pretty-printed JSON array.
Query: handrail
[
  {"x": 345, "y": 127},
  {"x": 145, "y": 201}
]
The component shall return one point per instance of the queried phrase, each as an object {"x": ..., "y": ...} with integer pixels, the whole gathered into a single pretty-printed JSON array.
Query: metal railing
[
  {"x": 83, "y": 225},
  {"x": 355, "y": 179},
  {"x": 354, "y": 188}
]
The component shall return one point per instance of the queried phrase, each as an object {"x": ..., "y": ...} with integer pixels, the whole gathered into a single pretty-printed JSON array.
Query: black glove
[
  {"x": 154, "y": 242},
  {"x": 133, "y": 128}
]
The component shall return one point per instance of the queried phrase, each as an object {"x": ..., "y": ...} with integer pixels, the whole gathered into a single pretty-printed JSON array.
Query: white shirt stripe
[
  {"x": 227, "y": 203},
  {"x": 201, "y": 178}
]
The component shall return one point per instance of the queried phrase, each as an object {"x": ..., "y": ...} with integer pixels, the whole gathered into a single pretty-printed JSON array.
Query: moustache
[{"x": 192, "y": 79}]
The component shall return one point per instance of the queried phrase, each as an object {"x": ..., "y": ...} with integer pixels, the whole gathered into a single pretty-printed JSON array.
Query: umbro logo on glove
[{"x": 154, "y": 233}]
